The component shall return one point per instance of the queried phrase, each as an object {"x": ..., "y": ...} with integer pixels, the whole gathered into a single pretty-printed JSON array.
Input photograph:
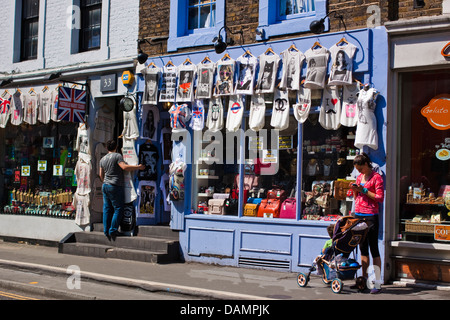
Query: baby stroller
[{"x": 335, "y": 265}]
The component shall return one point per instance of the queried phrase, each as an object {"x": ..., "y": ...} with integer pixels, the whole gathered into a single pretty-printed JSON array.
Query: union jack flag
[
  {"x": 71, "y": 104},
  {"x": 179, "y": 114}
]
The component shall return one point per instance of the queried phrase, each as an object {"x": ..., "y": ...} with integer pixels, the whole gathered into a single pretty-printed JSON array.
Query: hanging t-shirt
[
  {"x": 180, "y": 114},
  {"x": 168, "y": 84},
  {"x": 317, "y": 63},
  {"x": 151, "y": 78},
  {"x": 349, "y": 113},
  {"x": 341, "y": 69},
  {"x": 235, "y": 113},
  {"x": 54, "y": 112},
  {"x": 366, "y": 130},
  {"x": 45, "y": 105},
  {"x": 330, "y": 110},
  {"x": 214, "y": 121},
  {"x": 246, "y": 68},
  {"x": 198, "y": 115},
  {"x": 17, "y": 109},
  {"x": 148, "y": 156},
  {"x": 164, "y": 187},
  {"x": 104, "y": 124},
  {"x": 166, "y": 145},
  {"x": 147, "y": 197},
  {"x": 130, "y": 125},
  {"x": 205, "y": 79},
  {"x": 225, "y": 77},
  {"x": 130, "y": 157},
  {"x": 82, "y": 214},
  {"x": 292, "y": 67},
  {"x": 150, "y": 120},
  {"x": 30, "y": 108},
  {"x": 303, "y": 105},
  {"x": 82, "y": 144},
  {"x": 83, "y": 173},
  {"x": 268, "y": 69},
  {"x": 186, "y": 78},
  {"x": 280, "y": 110},
  {"x": 257, "y": 116},
  {"x": 5, "y": 110}
]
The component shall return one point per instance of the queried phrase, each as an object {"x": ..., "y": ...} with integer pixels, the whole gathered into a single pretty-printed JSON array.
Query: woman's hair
[
  {"x": 330, "y": 230},
  {"x": 362, "y": 159}
]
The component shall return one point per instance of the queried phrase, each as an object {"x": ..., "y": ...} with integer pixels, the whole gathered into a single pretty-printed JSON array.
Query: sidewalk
[{"x": 193, "y": 279}]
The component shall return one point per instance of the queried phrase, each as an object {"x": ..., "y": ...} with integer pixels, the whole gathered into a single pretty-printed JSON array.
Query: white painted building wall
[{"x": 119, "y": 34}]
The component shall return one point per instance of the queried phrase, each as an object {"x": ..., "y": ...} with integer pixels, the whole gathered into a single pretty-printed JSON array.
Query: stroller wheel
[
  {"x": 336, "y": 285},
  {"x": 302, "y": 279}
]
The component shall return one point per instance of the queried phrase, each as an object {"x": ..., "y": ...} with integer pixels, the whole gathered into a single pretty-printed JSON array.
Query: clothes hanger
[
  {"x": 152, "y": 64},
  {"x": 247, "y": 53},
  {"x": 44, "y": 89},
  {"x": 293, "y": 48},
  {"x": 226, "y": 56},
  {"x": 269, "y": 50},
  {"x": 170, "y": 63},
  {"x": 187, "y": 62},
  {"x": 316, "y": 44},
  {"x": 342, "y": 41},
  {"x": 206, "y": 59}
]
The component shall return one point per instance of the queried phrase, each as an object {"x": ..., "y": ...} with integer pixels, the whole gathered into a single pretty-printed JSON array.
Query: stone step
[
  {"x": 105, "y": 251},
  {"x": 158, "y": 231}
]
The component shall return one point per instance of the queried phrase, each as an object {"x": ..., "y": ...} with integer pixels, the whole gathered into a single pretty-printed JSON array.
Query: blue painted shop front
[{"x": 283, "y": 244}]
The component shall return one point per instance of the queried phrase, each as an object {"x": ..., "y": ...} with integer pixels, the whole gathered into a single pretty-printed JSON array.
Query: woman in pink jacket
[{"x": 369, "y": 193}]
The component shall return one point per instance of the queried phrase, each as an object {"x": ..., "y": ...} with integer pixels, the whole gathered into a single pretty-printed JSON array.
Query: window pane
[
  {"x": 30, "y": 8},
  {"x": 193, "y": 18},
  {"x": 288, "y": 7},
  {"x": 205, "y": 17}
]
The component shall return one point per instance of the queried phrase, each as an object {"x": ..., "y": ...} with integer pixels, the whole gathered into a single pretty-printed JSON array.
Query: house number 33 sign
[{"x": 108, "y": 83}]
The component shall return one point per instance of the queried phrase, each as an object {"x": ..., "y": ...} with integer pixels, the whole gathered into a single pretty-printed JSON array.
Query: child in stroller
[{"x": 334, "y": 264}]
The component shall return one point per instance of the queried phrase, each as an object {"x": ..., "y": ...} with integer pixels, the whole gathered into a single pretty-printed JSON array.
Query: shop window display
[
  {"x": 424, "y": 190},
  {"x": 38, "y": 172}
]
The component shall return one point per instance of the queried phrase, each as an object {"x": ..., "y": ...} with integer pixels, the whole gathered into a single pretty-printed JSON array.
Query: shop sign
[
  {"x": 437, "y": 112},
  {"x": 57, "y": 170},
  {"x": 442, "y": 232}
]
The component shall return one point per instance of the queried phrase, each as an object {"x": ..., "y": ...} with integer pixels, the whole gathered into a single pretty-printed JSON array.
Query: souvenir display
[
  {"x": 151, "y": 78},
  {"x": 292, "y": 66},
  {"x": 303, "y": 105},
  {"x": 235, "y": 113},
  {"x": 246, "y": 70},
  {"x": 168, "y": 83},
  {"x": 280, "y": 110},
  {"x": 349, "y": 112},
  {"x": 342, "y": 63},
  {"x": 257, "y": 112},
  {"x": 268, "y": 69},
  {"x": 330, "y": 110},
  {"x": 366, "y": 129},
  {"x": 214, "y": 121},
  {"x": 317, "y": 64},
  {"x": 186, "y": 77},
  {"x": 150, "y": 120},
  {"x": 205, "y": 79},
  {"x": 225, "y": 75}
]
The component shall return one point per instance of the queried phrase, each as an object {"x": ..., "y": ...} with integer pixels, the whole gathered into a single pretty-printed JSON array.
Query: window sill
[{"x": 420, "y": 245}]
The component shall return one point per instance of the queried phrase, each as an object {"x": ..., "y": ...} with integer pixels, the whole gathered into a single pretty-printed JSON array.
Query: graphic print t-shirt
[
  {"x": 45, "y": 105},
  {"x": 268, "y": 69},
  {"x": 180, "y": 114},
  {"x": 330, "y": 110},
  {"x": 246, "y": 69},
  {"x": 317, "y": 63},
  {"x": 214, "y": 121},
  {"x": 292, "y": 66},
  {"x": 257, "y": 112},
  {"x": 303, "y": 105},
  {"x": 17, "y": 109},
  {"x": 280, "y": 111},
  {"x": 225, "y": 74},
  {"x": 205, "y": 78},
  {"x": 148, "y": 156},
  {"x": 5, "y": 107},
  {"x": 235, "y": 113},
  {"x": 349, "y": 112},
  {"x": 198, "y": 115},
  {"x": 150, "y": 120},
  {"x": 186, "y": 77},
  {"x": 341, "y": 69}
]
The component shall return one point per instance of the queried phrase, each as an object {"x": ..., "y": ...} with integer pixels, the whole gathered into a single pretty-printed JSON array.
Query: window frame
[
  {"x": 179, "y": 34},
  {"x": 85, "y": 10},
  {"x": 198, "y": 7},
  {"x": 25, "y": 23},
  {"x": 271, "y": 25}
]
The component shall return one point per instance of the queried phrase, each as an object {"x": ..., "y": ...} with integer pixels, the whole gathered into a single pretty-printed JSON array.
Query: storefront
[
  {"x": 419, "y": 146},
  {"x": 257, "y": 137},
  {"x": 51, "y": 135}
]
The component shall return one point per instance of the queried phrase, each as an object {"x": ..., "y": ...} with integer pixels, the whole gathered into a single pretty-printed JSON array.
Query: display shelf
[{"x": 207, "y": 177}]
